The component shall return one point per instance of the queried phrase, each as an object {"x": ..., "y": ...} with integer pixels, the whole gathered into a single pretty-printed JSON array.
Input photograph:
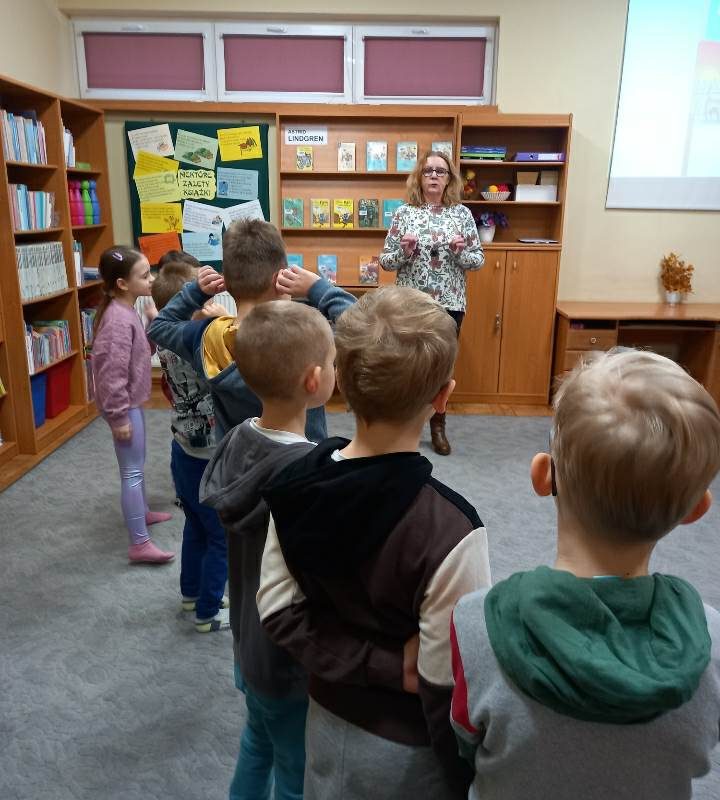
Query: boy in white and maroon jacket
[{"x": 362, "y": 533}]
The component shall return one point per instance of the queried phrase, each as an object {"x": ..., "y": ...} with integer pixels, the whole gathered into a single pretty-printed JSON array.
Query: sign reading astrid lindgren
[{"x": 301, "y": 135}]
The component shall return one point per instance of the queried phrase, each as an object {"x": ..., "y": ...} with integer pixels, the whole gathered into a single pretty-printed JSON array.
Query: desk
[{"x": 687, "y": 333}]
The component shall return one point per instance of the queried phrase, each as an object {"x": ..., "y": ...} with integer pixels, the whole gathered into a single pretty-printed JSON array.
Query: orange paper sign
[{"x": 154, "y": 247}]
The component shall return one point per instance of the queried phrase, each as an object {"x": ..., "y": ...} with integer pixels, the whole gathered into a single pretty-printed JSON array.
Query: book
[
  {"x": 368, "y": 213},
  {"x": 346, "y": 157},
  {"x": 369, "y": 270},
  {"x": 293, "y": 216},
  {"x": 443, "y": 147},
  {"x": 319, "y": 213},
  {"x": 376, "y": 157},
  {"x": 304, "y": 159},
  {"x": 327, "y": 267},
  {"x": 295, "y": 259},
  {"x": 389, "y": 209},
  {"x": 406, "y": 156},
  {"x": 343, "y": 213}
]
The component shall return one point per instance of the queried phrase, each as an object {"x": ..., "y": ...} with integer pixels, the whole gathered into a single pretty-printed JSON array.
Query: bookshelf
[{"x": 24, "y": 443}]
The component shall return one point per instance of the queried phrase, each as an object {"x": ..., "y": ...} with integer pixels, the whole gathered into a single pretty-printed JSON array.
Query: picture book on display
[
  {"x": 443, "y": 147},
  {"x": 368, "y": 213},
  {"x": 369, "y": 270},
  {"x": 304, "y": 159},
  {"x": 376, "y": 157},
  {"x": 389, "y": 209},
  {"x": 293, "y": 212},
  {"x": 343, "y": 213},
  {"x": 407, "y": 153},
  {"x": 320, "y": 213},
  {"x": 295, "y": 259},
  {"x": 327, "y": 267},
  {"x": 346, "y": 157}
]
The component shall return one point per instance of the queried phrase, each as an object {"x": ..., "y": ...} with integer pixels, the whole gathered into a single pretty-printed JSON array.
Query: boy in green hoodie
[{"x": 595, "y": 679}]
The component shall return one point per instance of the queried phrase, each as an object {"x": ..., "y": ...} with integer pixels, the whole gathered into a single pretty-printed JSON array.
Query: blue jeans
[
  {"x": 271, "y": 745},
  {"x": 203, "y": 566}
]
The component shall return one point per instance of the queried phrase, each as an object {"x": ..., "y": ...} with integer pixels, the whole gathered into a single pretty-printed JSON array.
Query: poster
[
  {"x": 153, "y": 139},
  {"x": 196, "y": 149},
  {"x": 196, "y": 184},
  {"x": 149, "y": 164},
  {"x": 237, "y": 184},
  {"x": 205, "y": 246},
  {"x": 155, "y": 246},
  {"x": 251, "y": 210},
  {"x": 161, "y": 187},
  {"x": 237, "y": 144},
  {"x": 202, "y": 217},
  {"x": 161, "y": 217}
]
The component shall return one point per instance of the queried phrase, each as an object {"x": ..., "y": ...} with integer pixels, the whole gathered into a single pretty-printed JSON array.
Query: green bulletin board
[{"x": 212, "y": 166}]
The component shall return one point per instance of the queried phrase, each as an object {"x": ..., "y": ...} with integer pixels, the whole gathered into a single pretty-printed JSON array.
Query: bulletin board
[{"x": 189, "y": 181}]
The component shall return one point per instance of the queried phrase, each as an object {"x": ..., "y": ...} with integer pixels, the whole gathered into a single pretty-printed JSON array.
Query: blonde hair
[
  {"x": 253, "y": 251},
  {"x": 275, "y": 345},
  {"x": 636, "y": 442},
  {"x": 453, "y": 191},
  {"x": 170, "y": 280},
  {"x": 396, "y": 349}
]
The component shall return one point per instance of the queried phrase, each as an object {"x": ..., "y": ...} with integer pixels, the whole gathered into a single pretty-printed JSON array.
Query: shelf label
[{"x": 302, "y": 135}]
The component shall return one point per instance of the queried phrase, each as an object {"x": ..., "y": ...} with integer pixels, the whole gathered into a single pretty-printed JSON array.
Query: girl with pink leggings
[{"x": 121, "y": 369}]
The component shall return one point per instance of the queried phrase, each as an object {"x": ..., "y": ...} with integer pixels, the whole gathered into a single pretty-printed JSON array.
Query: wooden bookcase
[{"x": 23, "y": 443}]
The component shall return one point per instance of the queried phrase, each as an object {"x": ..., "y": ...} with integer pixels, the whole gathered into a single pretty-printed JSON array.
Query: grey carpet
[{"x": 108, "y": 692}]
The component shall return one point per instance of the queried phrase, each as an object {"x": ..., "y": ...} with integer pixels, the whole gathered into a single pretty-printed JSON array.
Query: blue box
[{"x": 38, "y": 385}]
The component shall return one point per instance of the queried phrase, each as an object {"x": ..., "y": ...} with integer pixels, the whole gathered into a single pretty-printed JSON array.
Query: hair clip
[{"x": 117, "y": 256}]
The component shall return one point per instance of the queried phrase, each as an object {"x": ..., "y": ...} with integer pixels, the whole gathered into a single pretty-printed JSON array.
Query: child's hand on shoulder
[
  {"x": 150, "y": 310},
  {"x": 295, "y": 281},
  {"x": 210, "y": 281},
  {"x": 123, "y": 433},
  {"x": 210, "y": 310}
]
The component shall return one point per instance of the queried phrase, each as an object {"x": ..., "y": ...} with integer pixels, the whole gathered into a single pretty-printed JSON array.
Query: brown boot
[{"x": 437, "y": 433}]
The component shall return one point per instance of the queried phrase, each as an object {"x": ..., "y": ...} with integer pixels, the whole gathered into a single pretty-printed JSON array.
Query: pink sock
[
  {"x": 151, "y": 517},
  {"x": 148, "y": 553}
]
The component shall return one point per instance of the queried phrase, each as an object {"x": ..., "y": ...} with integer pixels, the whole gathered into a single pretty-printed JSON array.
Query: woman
[{"x": 431, "y": 243}]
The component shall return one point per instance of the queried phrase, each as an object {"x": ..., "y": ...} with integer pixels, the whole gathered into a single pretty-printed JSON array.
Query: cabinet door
[
  {"x": 476, "y": 371},
  {"x": 528, "y": 314}
]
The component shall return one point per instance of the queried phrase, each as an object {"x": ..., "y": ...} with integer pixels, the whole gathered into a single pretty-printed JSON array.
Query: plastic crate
[
  {"x": 57, "y": 396},
  {"x": 38, "y": 386}
]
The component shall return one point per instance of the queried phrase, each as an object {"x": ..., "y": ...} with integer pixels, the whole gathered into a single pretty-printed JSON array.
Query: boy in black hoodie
[{"x": 363, "y": 538}]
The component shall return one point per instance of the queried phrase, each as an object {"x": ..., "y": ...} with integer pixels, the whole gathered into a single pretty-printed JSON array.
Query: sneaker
[
  {"x": 189, "y": 603},
  {"x": 220, "y": 622},
  {"x": 148, "y": 553}
]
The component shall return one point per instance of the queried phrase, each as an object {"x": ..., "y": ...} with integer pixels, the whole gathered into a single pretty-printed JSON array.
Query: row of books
[
  {"x": 483, "y": 152},
  {"x": 87, "y": 318},
  {"x": 23, "y": 137},
  {"x": 368, "y": 267},
  {"x": 41, "y": 269},
  {"x": 376, "y": 156},
  {"x": 343, "y": 212},
  {"x": 46, "y": 341},
  {"x": 31, "y": 211}
]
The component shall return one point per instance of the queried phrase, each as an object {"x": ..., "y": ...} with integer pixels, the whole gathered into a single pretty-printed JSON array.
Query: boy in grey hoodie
[{"x": 596, "y": 679}]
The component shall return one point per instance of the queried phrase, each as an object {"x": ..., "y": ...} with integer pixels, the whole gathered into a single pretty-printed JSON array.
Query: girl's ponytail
[{"x": 115, "y": 262}]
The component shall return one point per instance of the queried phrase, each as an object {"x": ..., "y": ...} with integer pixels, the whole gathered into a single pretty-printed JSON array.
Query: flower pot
[
  {"x": 487, "y": 234},
  {"x": 673, "y": 298}
]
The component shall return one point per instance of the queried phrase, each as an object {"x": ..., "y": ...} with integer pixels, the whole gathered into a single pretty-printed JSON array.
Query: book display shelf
[{"x": 41, "y": 410}]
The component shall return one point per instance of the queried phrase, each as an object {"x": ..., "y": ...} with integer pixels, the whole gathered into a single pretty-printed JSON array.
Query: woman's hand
[
  {"x": 457, "y": 244},
  {"x": 123, "y": 433},
  {"x": 409, "y": 244},
  {"x": 210, "y": 282}
]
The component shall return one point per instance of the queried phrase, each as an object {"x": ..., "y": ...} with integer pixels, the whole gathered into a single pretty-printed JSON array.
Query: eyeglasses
[{"x": 441, "y": 172}]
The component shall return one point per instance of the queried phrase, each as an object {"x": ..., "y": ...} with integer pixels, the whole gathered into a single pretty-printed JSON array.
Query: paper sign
[
  {"x": 237, "y": 184},
  {"x": 240, "y": 143},
  {"x": 204, "y": 246},
  {"x": 251, "y": 210},
  {"x": 303, "y": 135},
  {"x": 154, "y": 247},
  {"x": 161, "y": 217},
  {"x": 197, "y": 184},
  {"x": 151, "y": 164},
  {"x": 202, "y": 217},
  {"x": 194, "y": 148},
  {"x": 153, "y": 139},
  {"x": 162, "y": 187}
]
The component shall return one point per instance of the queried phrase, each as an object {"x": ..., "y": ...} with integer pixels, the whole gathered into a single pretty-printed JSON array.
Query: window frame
[
  {"x": 82, "y": 25},
  {"x": 485, "y": 30},
  {"x": 279, "y": 28}
]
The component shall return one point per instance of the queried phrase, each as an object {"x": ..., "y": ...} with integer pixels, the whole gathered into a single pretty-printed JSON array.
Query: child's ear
[
  {"x": 702, "y": 507},
  {"x": 440, "y": 401},
  {"x": 312, "y": 379},
  {"x": 541, "y": 474},
  {"x": 121, "y": 284}
]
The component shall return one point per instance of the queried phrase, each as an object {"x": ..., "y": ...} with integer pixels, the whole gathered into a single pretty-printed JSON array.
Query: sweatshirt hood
[
  {"x": 607, "y": 650},
  {"x": 332, "y": 515}
]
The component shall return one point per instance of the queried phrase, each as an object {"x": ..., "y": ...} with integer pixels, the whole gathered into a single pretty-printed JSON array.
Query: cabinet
[{"x": 24, "y": 444}]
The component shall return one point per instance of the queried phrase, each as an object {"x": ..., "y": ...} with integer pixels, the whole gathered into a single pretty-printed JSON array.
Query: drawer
[
  {"x": 591, "y": 338},
  {"x": 571, "y": 359}
]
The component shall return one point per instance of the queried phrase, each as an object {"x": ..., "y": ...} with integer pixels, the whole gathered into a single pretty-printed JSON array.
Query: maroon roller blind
[
  {"x": 427, "y": 67},
  {"x": 144, "y": 61},
  {"x": 284, "y": 63}
]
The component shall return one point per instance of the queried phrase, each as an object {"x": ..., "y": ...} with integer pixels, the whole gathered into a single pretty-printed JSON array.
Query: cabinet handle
[
  {"x": 514, "y": 266},
  {"x": 498, "y": 322},
  {"x": 593, "y": 340},
  {"x": 497, "y": 265}
]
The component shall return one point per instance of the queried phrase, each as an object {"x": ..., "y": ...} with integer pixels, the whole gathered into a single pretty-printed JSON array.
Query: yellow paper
[
  {"x": 196, "y": 184},
  {"x": 162, "y": 187},
  {"x": 149, "y": 163},
  {"x": 237, "y": 144},
  {"x": 161, "y": 217}
]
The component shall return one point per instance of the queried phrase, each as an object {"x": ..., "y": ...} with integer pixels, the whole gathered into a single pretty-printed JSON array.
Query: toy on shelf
[
  {"x": 469, "y": 184},
  {"x": 496, "y": 191}
]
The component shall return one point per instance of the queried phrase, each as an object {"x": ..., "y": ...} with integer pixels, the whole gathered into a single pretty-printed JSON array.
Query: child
[
  {"x": 285, "y": 352},
  {"x": 253, "y": 257},
  {"x": 203, "y": 569},
  {"x": 595, "y": 679},
  {"x": 363, "y": 537},
  {"x": 121, "y": 369}
]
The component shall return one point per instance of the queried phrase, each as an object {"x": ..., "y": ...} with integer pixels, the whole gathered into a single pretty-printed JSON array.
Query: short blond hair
[
  {"x": 276, "y": 343},
  {"x": 396, "y": 349},
  {"x": 453, "y": 191},
  {"x": 636, "y": 442},
  {"x": 253, "y": 251},
  {"x": 170, "y": 280}
]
